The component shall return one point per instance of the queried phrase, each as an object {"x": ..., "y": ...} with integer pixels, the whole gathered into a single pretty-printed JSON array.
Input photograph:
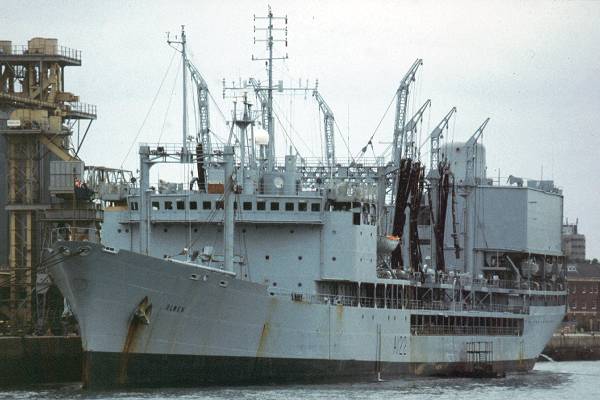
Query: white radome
[{"x": 261, "y": 137}]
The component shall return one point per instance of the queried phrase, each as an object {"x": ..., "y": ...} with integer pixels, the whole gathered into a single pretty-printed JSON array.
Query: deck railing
[
  {"x": 372, "y": 302},
  {"x": 74, "y": 234}
]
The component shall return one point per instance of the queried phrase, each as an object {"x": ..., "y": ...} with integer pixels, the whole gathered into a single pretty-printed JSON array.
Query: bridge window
[
  {"x": 247, "y": 206},
  {"x": 193, "y": 205},
  {"x": 302, "y": 207},
  {"x": 134, "y": 205},
  {"x": 274, "y": 206},
  {"x": 261, "y": 205},
  {"x": 155, "y": 205},
  {"x": 289, "y": 206},
  {"x": 206, "y": 205},
  {"x": 315, "y": 207},
  {"x": 168, "y": 205},
  {"x": 219, "y": 205},
  {"x": 180, "y": 205}
]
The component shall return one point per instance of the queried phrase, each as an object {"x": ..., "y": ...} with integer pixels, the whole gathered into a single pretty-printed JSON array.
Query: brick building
[
  {"x": 573, "y": 243},
  {"x": 584, "y": 295}
]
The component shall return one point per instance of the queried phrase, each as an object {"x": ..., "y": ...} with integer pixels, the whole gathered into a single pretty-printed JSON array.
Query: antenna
[
  {"x": 270, "y": 29},
  {"x": 182, "y": 42}
]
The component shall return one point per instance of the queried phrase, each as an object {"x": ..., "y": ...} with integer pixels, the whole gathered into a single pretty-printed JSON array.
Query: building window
[
  {"x": 261, "y": 205},
  {"x": 206, "y": 205},
  {"x": 180, "y": 205},
  {"x": 168, "y": 205},
  {"x": 302, "y": 207},
  {"x": 315, "y": 207},
  {"x": 193, "y": 205},
  {"x": 289, "y": 206},
  {"x": 247, "y": 206},
  {"x": 274, "y": 206}
]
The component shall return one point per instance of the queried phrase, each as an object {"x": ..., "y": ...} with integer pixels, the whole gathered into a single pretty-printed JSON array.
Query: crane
[
  {"x": 410, "y": 129},
  {"x": 202, "y": 95},
  {"x": 470, "y": 146},
  {"x": 436, "y": 135},
  {"x": 260, "y": 93},
  {"x": 401, "y": 108},
  {"x": 329, "y": 132}
]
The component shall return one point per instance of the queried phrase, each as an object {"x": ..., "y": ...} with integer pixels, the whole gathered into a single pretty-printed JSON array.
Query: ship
[{"x": 267, "y": 270}]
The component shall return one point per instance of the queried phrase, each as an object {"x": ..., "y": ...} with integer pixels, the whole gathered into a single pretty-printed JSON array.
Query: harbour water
[{"x": 548, "y": 381}]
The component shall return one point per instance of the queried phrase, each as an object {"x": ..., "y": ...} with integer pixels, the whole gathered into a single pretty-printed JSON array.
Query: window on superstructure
[
  {"x": 356, "y": 218},
  {"x": 247, "y": 206},
  {"x": 315, "y": 207},
  {"x": 274, "y": 206},
  {"x": 289, "y": 206},
  {"x": 193, "y": 205},
  {"x": 219, "y": 205},
  {"x": 206, "y": 205},
  {"x": 168, "y": 205},
  {"x": 180, "y": 205},
  {"x": 155, "y": 205},
  {"x": 134, "y": 205},
  {"x": 261, "y": 205},
  {"x": 302, "y": 207}
]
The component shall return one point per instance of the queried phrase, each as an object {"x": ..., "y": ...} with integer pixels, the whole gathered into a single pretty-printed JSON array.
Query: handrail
[
  {"x": 74, "y": 234},
  {"x": 372, "y": 302},
  {"x": 66, "y": 52}
]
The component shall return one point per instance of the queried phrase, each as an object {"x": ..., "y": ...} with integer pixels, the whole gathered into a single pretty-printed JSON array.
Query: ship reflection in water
[{"x": 548, "y": 381}]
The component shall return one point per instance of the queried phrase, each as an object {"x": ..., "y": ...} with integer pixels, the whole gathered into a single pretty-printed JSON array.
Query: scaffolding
[{"x": 37, "y": 120}]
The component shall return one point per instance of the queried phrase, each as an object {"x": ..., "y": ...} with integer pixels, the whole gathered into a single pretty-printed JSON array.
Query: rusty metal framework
[{"x": 37, "y": 118}]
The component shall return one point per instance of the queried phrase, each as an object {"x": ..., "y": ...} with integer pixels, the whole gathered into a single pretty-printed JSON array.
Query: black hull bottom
[{"x": 104, "y": 370}]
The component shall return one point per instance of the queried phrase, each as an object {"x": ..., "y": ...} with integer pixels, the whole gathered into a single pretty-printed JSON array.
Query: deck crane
[
  {"x": 202, "y": 96},
  {"x": 436, "y": 135},
  {"x": 401, "y": 108},
  {"x": 329, "y": 131},
  {"x": 410, "y": 148},
  {"x": 264, "y": 101},
  {"x": 470, "y": 147}
]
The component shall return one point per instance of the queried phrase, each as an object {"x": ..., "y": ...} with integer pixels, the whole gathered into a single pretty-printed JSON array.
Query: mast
[
  {"x": 228, "y": 197},
  {"x": 270, "y": 40},
  {"x": 185, "y": 156},
  {"x": 184, "y": 74},
  {"x": 271, "y": 148}
]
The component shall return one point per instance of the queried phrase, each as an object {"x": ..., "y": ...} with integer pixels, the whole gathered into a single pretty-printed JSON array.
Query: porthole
[
  {"x": 118, "y": 230},
  {"x": 194, "y": 277},
  {"x": 165, "y": 230},
  {"x": 299, "y": 257},
  {"x": 291, "y": 231},
  {"x": 274, "y": 283},
  {"x": 126, "y": 230},
  {"x": 195, "y": 230},
  {"x": 267, "y": 257},
  {"x": 333, "y": 258},
  {"x": 223, "y": 283},
  {"x": 299, "y": 284}
]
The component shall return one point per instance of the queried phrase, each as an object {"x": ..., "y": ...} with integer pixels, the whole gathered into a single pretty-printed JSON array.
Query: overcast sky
[{"x": 532, "y": 67}]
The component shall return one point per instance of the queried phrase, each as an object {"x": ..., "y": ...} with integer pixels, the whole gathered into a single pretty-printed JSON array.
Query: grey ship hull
[{"x": 207, "y": 327}]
